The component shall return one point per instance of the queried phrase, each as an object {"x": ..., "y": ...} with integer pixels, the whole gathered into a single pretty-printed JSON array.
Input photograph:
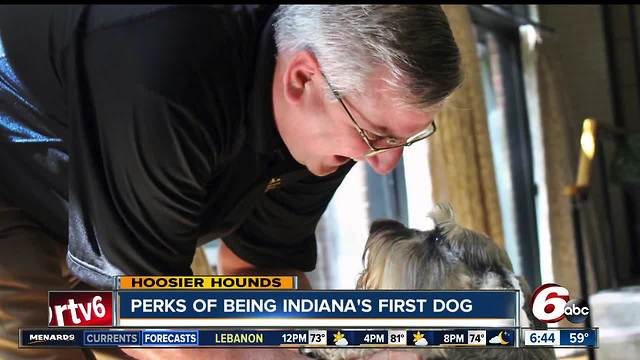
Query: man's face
[{"x": 320, "y": 135}]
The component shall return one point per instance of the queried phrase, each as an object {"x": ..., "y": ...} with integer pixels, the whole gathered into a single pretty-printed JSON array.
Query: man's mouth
[{"x": 341, "y": 160}]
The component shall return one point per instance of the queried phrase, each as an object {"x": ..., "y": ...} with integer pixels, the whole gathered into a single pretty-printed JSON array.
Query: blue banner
[
  {"x": 452, "y": 337},
  {"x": 91, "y": 338},
  {"x": 111, "y": 338},
  {"x": 252, "y": 337},
  {"x": 317, "y": 304},
  {"x": 50, "y": 338},
  {"x": 579, "y": 337},
  {"x": 170, "y": 338},
  {"x": 351, "y": 338}
]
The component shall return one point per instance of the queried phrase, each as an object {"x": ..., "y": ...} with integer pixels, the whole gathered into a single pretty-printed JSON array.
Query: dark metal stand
[
  {"x": 611, "y": 266},
  {"x": 577, "y": 203}
]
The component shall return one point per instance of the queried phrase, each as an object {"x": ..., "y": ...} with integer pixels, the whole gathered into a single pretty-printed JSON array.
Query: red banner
[{"x": 80, "y": 308}]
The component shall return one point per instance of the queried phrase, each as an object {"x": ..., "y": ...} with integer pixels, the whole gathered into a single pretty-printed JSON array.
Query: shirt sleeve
[
  {"x": 139, "y": 180},
  {"x": 146, "y": 140},
  {"x": 280, "y": 232}
]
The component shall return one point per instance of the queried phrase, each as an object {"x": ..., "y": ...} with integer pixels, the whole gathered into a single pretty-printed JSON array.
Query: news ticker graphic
[
  {"x": 561, "y": 337},
  {"x": 235, "y": 302},
  {"x": 479, "y": 337},
  {"x": 317, "y": 308},
  {"x": 206, "y": 282}
]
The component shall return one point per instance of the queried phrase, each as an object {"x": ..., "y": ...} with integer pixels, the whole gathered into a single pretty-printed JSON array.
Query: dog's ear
[{"x": 386, "y": 225}]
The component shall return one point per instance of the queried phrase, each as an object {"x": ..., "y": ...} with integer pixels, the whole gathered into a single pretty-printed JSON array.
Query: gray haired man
[{"x": 131, "y": 134}]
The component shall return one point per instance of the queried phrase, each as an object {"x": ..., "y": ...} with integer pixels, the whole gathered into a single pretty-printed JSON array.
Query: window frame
[{"x": 505, "y": 27}]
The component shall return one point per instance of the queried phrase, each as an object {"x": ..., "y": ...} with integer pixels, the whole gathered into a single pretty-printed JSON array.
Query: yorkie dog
[{"x": 447, "y": 257}]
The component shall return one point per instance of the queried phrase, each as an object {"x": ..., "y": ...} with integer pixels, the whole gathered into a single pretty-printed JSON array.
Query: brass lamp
[{"x": 587, "y": 152}]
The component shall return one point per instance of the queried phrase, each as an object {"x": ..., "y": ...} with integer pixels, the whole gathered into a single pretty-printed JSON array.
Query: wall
[{"x": 579, "y": 51}]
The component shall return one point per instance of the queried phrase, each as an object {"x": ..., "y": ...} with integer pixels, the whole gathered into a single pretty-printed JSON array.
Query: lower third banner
[{"x": 307, "y": 309}]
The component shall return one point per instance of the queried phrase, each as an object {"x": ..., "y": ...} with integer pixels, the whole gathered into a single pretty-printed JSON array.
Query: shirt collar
[{"x": 264, "y": 136}]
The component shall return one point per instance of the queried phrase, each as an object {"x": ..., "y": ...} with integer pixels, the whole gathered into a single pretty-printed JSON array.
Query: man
[{"x": 131, "y": 134}]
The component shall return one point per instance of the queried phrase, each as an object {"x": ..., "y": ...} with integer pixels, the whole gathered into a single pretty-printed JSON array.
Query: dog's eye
[{"x": 435, "y": 235}]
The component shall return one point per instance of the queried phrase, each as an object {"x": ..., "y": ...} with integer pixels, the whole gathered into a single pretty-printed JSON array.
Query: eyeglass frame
[{"x": 375, "y": 150}]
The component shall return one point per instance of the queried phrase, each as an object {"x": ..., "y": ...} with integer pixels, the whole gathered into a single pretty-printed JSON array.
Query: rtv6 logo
[
  {"x": 81, "y": 308},
  {"x": 550, "y": 303}
]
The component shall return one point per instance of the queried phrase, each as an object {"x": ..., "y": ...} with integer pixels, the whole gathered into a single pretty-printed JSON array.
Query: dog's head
[{"x": 447, "y": 257}]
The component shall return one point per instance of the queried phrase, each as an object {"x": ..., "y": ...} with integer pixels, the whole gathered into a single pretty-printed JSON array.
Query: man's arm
[
  {"x": 279, "y": 233},
  {"x": 230, "y": 264}
]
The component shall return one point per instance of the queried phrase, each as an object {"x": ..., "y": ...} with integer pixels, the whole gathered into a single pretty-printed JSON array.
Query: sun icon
[
  {"x": 417, "y": 336},
  {"x": 337, "y": 337},
  {"x": 419, "y": 339}
]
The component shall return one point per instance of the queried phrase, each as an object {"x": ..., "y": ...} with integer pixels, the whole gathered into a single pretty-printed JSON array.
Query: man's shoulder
[
  {"x": 179, "y": 51},
  {"x": 227, "y": 22},
  {"x": 195, "y": 62},
  {"x": 105, "y": 15}
]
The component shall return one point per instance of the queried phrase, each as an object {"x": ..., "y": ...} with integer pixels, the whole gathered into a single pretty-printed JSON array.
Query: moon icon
[{"x": 502, "y": 340}]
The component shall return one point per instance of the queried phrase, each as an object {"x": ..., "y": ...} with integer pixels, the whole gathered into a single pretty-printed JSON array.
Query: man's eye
[{"x": 392, "y": 141}]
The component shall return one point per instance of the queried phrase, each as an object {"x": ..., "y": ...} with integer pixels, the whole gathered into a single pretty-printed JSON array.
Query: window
[
  {"x": 365, "y": 196},
  {"x": 498, "y": 44}
]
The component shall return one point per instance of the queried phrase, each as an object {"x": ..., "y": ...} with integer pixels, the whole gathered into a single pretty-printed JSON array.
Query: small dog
[{"x": 451, "y": 257}]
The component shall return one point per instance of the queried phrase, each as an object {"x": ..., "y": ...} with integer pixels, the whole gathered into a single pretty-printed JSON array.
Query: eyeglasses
[{"x": 377, "y": 143}]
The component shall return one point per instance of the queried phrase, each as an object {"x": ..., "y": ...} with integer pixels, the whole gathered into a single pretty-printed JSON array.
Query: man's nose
[{"x": 384, "y": 162}]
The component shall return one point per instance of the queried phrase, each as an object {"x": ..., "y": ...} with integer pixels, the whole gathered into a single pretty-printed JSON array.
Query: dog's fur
[{"x": 447, "y": 257}]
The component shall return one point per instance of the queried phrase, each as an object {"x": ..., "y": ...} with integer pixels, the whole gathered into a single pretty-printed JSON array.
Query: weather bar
[{"x": 54, "y": 337}]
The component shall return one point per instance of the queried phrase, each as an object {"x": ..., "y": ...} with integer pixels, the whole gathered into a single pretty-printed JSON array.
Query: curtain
[
  {"x": 460, "y": 153},
  {"x": 461, "y": 161},
  {"x": 200, "y": 264}
]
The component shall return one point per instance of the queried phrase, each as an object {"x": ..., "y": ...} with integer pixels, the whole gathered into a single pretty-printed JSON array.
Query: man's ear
[{"x": 302, "y": 67}]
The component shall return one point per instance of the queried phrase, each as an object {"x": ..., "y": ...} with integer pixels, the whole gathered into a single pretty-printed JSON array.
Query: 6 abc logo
[{"x": 550, "y": 303}]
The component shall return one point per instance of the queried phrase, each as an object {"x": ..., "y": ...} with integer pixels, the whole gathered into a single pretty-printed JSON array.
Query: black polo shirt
[{"x": 160, "y": 120}]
